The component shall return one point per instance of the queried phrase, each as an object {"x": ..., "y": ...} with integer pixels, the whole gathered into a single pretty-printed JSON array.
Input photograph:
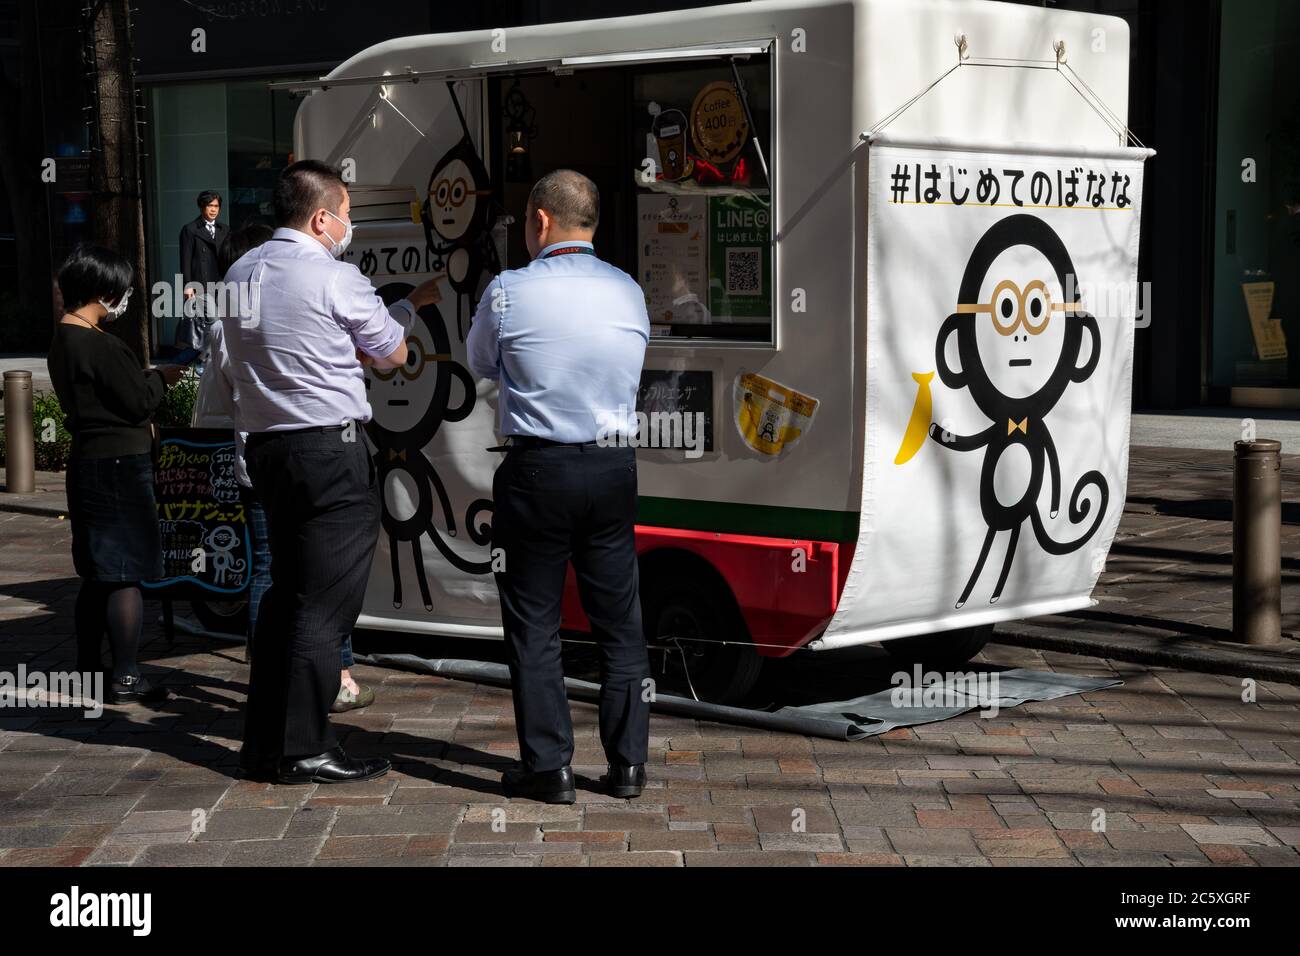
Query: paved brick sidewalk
[
  {"x": 1180, "y": 769},
  {"x": 1166, "y": 593}
]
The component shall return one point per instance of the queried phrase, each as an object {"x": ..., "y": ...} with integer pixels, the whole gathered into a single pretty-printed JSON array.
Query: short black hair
[
  {"x": 91, "y": 273},
  {"x": 570, "y": 198},
  {"x": 207, "y": 196},
  {"x": 303, "y": 188},
  {"x": 247, "y": 237}
]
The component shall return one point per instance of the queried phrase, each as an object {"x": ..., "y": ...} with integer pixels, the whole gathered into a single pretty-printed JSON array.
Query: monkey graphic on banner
[
  {"x": 456, "y": 214},
  {"x": 1020, "y": 345},
  {"x": 409, "y": 405}
]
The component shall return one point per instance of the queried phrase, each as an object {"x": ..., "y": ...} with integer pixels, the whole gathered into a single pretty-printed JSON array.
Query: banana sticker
[
  {"x": 918, "y": 426},
  {"x": 770, "y": 416}
]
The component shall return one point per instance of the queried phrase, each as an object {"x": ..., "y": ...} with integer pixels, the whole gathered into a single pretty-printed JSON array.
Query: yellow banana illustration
[{"x": 918, "y": 426}]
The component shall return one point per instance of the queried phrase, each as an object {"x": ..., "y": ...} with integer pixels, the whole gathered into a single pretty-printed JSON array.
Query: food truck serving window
[{"x": 682, "y": 153}]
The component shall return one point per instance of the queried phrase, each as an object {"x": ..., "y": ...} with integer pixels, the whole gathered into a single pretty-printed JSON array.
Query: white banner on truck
[{"x": 1001, "y": 303}]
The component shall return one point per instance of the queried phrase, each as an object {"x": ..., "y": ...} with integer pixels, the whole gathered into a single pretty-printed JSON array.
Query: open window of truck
[{"x": 679, "y": 142}]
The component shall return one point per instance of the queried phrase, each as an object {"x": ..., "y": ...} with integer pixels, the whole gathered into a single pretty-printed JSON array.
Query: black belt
[
  {"x": 529, "y": 441},
  {"x": 308, "y": 430}
]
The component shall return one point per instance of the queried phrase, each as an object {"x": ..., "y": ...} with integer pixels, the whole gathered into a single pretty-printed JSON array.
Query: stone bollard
[
  {"x": 1257, "y": 542},
  {"x": 20, "y": 448}
]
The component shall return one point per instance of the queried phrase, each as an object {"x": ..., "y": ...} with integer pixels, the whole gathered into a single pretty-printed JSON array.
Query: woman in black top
[{"x": 108, "y": 400}]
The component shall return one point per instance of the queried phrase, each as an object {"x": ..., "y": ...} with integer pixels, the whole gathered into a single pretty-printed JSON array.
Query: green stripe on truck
[{"x": 727, "y": 517}]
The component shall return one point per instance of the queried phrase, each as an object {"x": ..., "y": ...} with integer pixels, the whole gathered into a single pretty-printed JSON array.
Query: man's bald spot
[{"x": 569, "y": 198}]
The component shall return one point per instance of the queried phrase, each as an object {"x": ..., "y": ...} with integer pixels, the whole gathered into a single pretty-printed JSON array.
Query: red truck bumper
[{"x": 786, "y": 588}]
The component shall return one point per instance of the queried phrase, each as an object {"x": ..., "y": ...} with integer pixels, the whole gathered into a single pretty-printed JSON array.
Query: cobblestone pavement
[
  {"x": 1172, "y": 768},
  {"x": 1170, "y": 568}
]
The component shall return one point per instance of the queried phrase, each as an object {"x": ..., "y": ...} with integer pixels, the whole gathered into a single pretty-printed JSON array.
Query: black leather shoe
[
  {"x": 333, "y": 766},
  {"x": 548, "y": 786},
  {"x": 134, "y": 690},
  {"x": 625, "y": 781}
]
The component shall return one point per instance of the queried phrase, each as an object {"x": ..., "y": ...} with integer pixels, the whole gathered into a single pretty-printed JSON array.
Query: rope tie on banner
[{"x": 1058, "y": 63}]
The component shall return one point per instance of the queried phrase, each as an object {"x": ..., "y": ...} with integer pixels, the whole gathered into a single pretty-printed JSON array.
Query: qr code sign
[{"x": 744, "y": 271}]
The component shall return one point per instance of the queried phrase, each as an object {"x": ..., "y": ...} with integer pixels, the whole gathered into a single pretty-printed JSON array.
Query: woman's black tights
[{"x": 118, "y": 608}]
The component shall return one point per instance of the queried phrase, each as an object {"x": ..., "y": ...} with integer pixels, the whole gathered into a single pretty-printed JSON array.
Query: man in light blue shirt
[
  {"x": 566, "y": 336},
  {"x": 304, "y": 325}
]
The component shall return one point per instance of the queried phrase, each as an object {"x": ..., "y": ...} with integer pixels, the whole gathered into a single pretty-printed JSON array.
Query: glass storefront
[
  {"x": 232, "y": 137},
  {"x": 1255, "y": 325},
  {"x": 1239, "y": 347}
]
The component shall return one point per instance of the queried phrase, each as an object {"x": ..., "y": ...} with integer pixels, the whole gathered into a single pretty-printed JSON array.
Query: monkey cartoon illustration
[
  {"x": 408, "y": 405},
  {"x": 1019, "y": 341},
  {"x": 456, "y": 214},
  {"x": 223, "y": 540}
]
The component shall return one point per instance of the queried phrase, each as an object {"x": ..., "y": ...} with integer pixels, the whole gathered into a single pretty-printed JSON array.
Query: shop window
[
  {"x": 234, "y": 138},
  {"x": 1256, "y": 327}
]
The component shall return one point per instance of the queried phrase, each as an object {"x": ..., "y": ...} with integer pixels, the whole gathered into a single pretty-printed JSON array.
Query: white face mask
[
  {"x": 338, "y": 248},
  {"x": 115, "y": 311}
]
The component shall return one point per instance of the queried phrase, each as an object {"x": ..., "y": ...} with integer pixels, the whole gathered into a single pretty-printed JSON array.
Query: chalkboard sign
[
  {"x": 677, "y": 393},
  {"x": 206, "y": 541}
]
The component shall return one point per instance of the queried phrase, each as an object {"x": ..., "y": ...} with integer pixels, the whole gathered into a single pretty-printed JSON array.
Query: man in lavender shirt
[{"x": 306, "y": 324}]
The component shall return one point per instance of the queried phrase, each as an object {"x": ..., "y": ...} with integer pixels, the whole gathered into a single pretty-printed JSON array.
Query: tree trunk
[
  {"x": 22, "y": 152},
  {"x": 118, "y": 212}
]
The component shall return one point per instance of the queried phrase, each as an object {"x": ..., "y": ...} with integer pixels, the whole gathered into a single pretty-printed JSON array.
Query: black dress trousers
[
  {"x": 322, "y": 503},
  {"x": 552, "y": 505}
]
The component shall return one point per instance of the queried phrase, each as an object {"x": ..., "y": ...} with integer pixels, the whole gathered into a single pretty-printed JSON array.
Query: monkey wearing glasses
[
  {"x": 456, "y": 214},
  {"x": 408, "y": 406},
  {"x": 1019, "y": 343}
]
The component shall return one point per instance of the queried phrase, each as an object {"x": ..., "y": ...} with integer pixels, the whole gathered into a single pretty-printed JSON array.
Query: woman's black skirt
[{"x": 114, "y": 519}]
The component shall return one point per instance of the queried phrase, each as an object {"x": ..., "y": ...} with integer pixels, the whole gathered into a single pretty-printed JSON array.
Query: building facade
[{"x": 1214, "y": 87}]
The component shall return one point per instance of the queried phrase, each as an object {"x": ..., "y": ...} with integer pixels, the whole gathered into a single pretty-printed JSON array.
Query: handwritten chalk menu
[
  {"x": 675, "y": 409},
  {"x": 206, "y": 541}
]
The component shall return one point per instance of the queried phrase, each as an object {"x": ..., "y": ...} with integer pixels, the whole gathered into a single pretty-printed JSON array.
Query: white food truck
[{"x": 888, "y": 249}]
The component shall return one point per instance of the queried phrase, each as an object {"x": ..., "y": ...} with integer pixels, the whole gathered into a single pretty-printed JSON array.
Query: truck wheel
[
  {"x": 697, "y": 640},
  {"x": 222, "y": 617},
  {"x": 945, "y": 651}
]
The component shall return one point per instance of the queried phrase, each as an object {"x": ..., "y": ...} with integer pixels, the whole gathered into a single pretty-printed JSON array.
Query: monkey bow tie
[{"x": 1023, "y": 425}]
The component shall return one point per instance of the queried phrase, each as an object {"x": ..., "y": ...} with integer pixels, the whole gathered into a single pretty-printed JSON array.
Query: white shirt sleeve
[
  {"x": 362, "y": 313},
  {"x": 483, "y": 344},
  {"x": 222, "y": 386},
  {"x": 404, "y": 313},
  {"x": 214, "y": 405}
]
